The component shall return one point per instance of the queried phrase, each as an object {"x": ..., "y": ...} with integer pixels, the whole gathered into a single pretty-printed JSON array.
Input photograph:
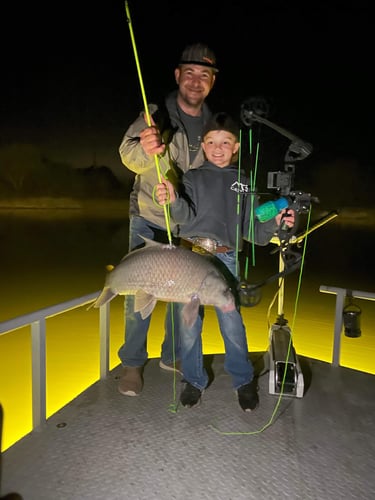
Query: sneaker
[
  {"x": 190, "y": 396},
  {"x": 248, "y": 396},
  {"x": 131, "y": 381},
  {"x": 176, "y": 367}
]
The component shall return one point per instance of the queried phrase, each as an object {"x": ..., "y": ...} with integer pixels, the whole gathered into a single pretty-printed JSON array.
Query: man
[{"x": 175, "y": 136}]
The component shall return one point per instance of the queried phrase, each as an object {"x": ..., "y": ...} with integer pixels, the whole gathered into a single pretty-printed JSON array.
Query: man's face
[{"x": 195, "y": 83}]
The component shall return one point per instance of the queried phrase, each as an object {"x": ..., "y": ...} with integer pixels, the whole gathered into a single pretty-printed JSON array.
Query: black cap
[
  {"x": 222, "y": 121},
  {"x": 200, "y": 54}
]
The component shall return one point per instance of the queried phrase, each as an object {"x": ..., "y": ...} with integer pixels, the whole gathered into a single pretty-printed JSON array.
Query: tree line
[
  {"x": 25, "y": 172},
  {"x": 336, "y": 181}
]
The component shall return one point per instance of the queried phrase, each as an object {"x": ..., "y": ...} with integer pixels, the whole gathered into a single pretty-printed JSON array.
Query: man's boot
[{"x": 131, "y": 381}]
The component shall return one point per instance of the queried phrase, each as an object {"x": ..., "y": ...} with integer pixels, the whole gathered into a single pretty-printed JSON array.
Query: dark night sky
[{"x": 71, "y": 86}]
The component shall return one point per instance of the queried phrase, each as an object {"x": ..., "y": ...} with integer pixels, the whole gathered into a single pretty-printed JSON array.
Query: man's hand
[
  {"x": 164, "y": 192},
  {"x": 151, "y": 140}
]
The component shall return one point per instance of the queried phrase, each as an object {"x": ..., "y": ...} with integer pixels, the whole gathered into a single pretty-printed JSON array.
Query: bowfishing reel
[{"x": 249, "y": 295}]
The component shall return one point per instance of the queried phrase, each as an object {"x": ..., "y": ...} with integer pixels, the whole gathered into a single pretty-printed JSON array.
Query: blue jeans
[
  {"x": 236, "y": 361},
  {"x": 134, "y": 350}
]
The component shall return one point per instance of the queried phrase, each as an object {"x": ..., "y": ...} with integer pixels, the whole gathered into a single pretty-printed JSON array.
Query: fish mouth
[
  {"x": 229, "y": 303},
  {"x": 228, "y": 306}
]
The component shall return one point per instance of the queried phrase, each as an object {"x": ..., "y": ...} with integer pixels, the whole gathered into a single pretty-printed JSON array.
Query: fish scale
[
  {"x": 161, "y": 271},
  {"x": 168, "y": 273}
]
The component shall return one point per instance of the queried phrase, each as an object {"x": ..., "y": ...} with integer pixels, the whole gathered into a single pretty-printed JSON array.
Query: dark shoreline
[{"x": 359, "y": 216}]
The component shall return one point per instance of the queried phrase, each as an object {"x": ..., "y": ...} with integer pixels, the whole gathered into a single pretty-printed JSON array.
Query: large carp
[{"x": 170, "y": 274}]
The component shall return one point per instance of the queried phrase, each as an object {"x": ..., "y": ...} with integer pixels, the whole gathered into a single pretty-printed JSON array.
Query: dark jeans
[{"x": 236, "y": 362}]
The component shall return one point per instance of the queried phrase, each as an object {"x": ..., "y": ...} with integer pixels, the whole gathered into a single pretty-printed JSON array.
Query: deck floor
[{"x": 103, "y": 445}]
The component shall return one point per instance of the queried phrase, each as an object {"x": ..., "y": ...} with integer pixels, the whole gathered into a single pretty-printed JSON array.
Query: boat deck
[{"x": 103, "y": 445}]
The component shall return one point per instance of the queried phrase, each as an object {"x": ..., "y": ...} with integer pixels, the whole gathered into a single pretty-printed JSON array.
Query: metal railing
[
  {"x": 37, "y": 321},
  {"x": 341, "y": 294}
]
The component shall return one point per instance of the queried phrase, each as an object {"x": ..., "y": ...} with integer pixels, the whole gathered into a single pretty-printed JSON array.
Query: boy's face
[{"x": 220, "y": 146}]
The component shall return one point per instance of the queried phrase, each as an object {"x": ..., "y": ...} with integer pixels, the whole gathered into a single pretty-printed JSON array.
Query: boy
[{"x": 214, "y": 206}]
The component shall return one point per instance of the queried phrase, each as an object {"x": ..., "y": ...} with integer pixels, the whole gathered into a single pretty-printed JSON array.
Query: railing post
[
  {"x": 341, "y": 294},
  {"x": 340, "y": 298},
  {"x": 38, "y": 362},
  {"x": 104, "y": 320},
  {"x": 37, "y": 321}
]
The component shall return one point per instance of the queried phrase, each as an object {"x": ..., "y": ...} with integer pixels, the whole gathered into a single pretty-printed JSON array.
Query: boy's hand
[
  {"x": 164, "y": 192},
  {"x": 287, "y": 216}
]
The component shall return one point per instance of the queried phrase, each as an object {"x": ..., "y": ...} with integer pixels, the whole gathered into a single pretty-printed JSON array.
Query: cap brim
[{"x": 200, "y": 63}]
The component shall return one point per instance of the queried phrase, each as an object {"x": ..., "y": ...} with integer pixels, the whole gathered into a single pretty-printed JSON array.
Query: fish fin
[
  {"x": 153, "y": 243},
  {"x": 144, "y": 303},
  {"x": 103, "y": 298},
  {"x": 190, "y": 311},
  {"x": 149, "y": 242}
]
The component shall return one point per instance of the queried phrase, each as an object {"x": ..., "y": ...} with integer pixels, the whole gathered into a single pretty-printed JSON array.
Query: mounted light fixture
[{"x": 352, "y": 318}]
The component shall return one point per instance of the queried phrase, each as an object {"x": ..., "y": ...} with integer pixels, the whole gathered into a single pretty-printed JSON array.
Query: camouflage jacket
[{"x": 175, "y": 160}]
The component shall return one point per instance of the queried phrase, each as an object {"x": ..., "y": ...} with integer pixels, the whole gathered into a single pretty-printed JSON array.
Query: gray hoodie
[{"x": 217, "y": 203}]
